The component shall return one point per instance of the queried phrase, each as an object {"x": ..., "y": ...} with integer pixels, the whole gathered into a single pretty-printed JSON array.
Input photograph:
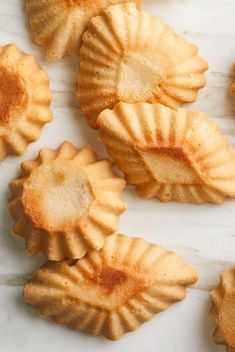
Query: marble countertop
[{"x": 203, "y": 235}]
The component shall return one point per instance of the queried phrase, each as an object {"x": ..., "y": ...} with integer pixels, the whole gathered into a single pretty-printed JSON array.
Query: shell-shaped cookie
[
  {"x": 66, "y": 202},
  {"x": 128, "y": 55},
  {"x": 25, "y": 100},
  {"x": 172, "y": 155},
  {"x": 222, "y": 311},
  {"x": 58, "y": 25},
  {"x": 112, "y": 291}
]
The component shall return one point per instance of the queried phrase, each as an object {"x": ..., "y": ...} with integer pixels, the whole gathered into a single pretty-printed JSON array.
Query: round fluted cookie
[
  {"x": 25, "y": 100},
  {"x": 66, "y": 202}
]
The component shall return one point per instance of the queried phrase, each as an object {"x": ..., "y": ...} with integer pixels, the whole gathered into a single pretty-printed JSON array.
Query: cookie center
[
  {"x": 138, "y": 79},
  {"x": 13, "y": 96},
  {"x": 109, "y": 278},
  {"x": 170, "y": 165},
  {"x": 57, "y": 195},
  {"x": 108, "y": 287}
]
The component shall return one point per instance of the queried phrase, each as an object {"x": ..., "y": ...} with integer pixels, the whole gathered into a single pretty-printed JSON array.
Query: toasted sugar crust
[
  {"x": 13, "y": 95},
  {"x": 109, "y": 278},
  {"x": 172, "y": 155},
  {"x": 66, "y": 202},
  {"x": 112, "y": 291}
]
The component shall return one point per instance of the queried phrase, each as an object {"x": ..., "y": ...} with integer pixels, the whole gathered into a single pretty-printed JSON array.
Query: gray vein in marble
[{"x": 15, "y": 280}]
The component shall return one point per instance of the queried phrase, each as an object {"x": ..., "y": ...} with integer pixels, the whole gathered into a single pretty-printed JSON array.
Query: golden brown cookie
[
  {"x": 58, "y": 25},
  {"x": 112, "y": 291},
  {"x": 128, "y": 55},
  {"x": 222, "y": 311},
  {"x": 172, "y": 155},
  {"x": 66, "y": 202},
  {"x": 25, "y": 100}
]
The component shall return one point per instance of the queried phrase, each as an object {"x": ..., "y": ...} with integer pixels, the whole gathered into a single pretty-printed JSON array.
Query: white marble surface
[{"x": 203, "y": 235}]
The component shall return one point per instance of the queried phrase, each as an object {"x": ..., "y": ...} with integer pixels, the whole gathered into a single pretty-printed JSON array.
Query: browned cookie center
[
  {"x": 109, "y": 278},
  {"x": 12, "y": 95},
  {"x": 114, "y": 284}
]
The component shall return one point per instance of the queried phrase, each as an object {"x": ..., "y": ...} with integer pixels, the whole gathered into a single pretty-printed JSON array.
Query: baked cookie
[
  {"x": 172, "y": 155},
  {"x": 131, "y": 56},
  {"x": 25, "y": 100},
  {"x": 66, "y": 202},
  {"x": 112, "y": 291},
  {"x": 58, "y": 25},
  {"x": 222, "y": 311}
]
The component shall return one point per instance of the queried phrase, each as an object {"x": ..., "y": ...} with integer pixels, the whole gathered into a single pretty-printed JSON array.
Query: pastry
[
  {"x": 222, "y": 311},
  {"x": 172, "y": 155},
  {"x": 25, "y": 100},
  {"x": 128, "y": 55},
  {"x": 66, "y": 202},
  {"x": 112, "y": 291},
  {"x": 58, "y": 25}
]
